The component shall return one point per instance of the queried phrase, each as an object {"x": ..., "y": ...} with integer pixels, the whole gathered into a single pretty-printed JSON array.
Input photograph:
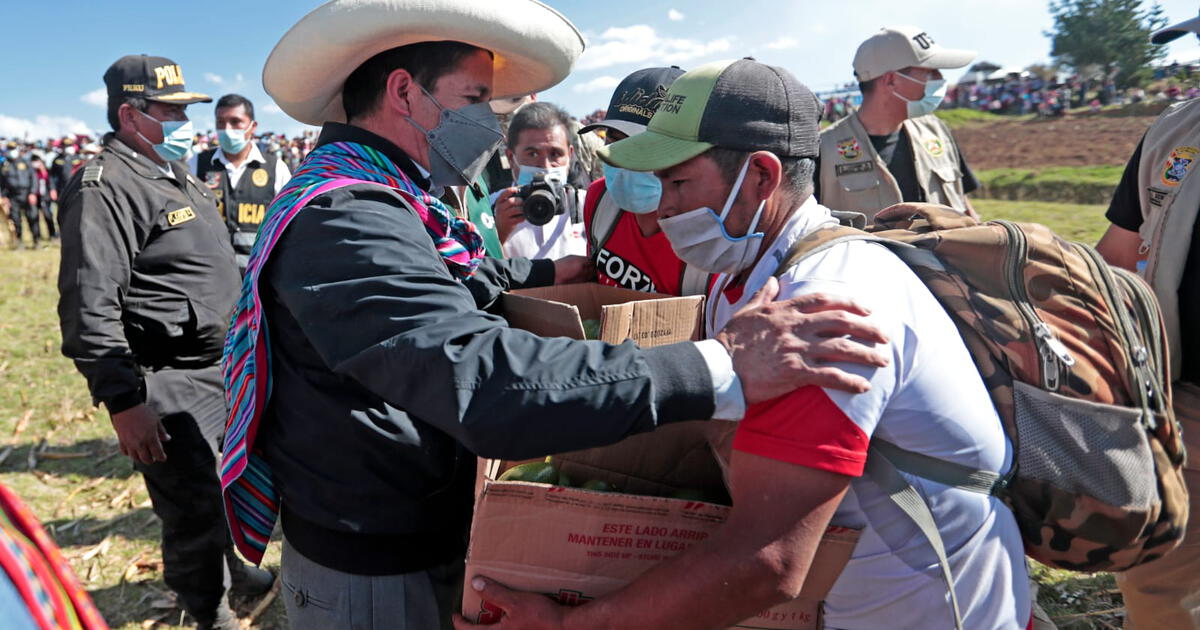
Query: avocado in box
[{"x": 577, "y": 544}]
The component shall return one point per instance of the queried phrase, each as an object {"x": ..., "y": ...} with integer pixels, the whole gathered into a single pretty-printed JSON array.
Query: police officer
[
  {"x": 17, "y": 180},
  {"x": 64, "y": 165},
  {"x": 147, "y": 284},
  {"x": 893, "y": 148},
  {"x": 243, "y": 180}
]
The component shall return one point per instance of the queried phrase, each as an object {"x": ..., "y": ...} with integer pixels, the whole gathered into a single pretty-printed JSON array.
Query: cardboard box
[
  {"x": 577, "y": 545},
  {"x": 650, "y": 319}
]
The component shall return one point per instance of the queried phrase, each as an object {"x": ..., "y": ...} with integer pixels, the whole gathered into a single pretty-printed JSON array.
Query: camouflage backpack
[{"x": 1073, "y": 353}]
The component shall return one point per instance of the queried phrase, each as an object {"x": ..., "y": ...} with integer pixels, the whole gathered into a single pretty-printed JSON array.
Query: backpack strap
[
  {"x": 884, "y": 459},
  {"x": 604, "y": 221},
  {"x": 884, "y": 473},
  {"x": 694, "y": 281},
  {"x": 820, "y": 240}
]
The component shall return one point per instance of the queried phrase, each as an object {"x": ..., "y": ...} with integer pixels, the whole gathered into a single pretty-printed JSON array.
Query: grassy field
[
  {"x": 59, "y": 453},
  {"x": 1079, "y": 184},
  {"x": 61, "y": 456},
  {"x": 1076, "y": 222}
]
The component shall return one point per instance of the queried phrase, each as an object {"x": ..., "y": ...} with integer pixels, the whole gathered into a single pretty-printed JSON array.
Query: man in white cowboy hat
[
  {"x": 358, "y": 418},
  {"x": 1154, "y": 231},
  {"x": 893, "y": 148}
]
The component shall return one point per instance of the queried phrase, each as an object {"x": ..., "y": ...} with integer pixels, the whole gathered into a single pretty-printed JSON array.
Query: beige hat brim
[
  {"x": 949, "y": 58},
  {"x": 534, "y": 47}
]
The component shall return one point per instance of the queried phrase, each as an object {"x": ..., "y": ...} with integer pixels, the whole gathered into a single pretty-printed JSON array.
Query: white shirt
[
  {"x": 930, "y": 400},
  {"x": 282, "y": 174}
]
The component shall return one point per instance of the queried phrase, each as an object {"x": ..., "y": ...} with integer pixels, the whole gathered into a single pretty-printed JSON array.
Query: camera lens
[{"x": 540, "y": 207}]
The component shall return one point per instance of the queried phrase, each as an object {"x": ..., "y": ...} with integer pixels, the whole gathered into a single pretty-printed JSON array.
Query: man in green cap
[{"x": 734, "y": 145}]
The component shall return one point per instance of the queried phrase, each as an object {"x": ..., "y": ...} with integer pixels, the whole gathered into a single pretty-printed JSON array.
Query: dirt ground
[{"x": 1073, "y": 140}]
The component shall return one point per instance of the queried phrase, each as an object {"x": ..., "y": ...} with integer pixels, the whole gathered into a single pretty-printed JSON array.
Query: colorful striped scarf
[
  {"x": 41, "y": 576},
  {"x": 251, "y": 499}
]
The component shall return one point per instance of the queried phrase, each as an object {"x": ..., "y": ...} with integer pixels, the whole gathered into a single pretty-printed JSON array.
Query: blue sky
[{"x": 56, "y": 52}]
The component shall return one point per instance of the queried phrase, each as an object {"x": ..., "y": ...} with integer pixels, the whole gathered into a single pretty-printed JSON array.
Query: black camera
[{"x": 542, "y": 199}]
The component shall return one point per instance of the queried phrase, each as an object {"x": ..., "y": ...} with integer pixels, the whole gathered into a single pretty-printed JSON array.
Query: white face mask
[
  {"x": 699, "y": 237},
  {"x": 525, "y": 173}
]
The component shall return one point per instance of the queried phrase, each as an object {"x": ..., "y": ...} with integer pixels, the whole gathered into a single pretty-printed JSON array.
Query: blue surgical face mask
[
  {"x": 232, "y": 141},
  {"x": 634, "y": 191},
  {"x": 177, "y": 138},
  {"x": 935, "y": 91},
  {"x": 526, "y": 173}
]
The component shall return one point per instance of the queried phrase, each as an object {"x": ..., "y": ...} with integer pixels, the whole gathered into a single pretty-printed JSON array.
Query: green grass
[
  {"x": 96, "y": 506},
  {"x": 1077, "y": 184},
  {"x": 963, "y": 116},
  {"x": 84, "y": 491},
  {"x": 1077, "y": 222}
]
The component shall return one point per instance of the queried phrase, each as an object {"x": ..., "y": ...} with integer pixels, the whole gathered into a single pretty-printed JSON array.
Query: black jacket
[
  {"x": 16, "y": 177},
  {"x": 148, "y": 278},
  {"x": 384, "y": 368}
]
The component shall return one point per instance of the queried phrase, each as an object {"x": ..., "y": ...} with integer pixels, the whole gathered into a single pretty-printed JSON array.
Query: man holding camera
[{"x": 537, "y": 217}]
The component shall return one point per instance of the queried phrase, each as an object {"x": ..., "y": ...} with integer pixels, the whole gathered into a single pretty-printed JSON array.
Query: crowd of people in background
[
  {"x": 988, "y": 88},
  {"x": 30, "y": 199},
  {"x": 33, "y": 174}
]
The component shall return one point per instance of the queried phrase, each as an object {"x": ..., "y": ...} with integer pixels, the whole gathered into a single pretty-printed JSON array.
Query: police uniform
[
  {"x": 18, "y": 180},
  {"x": 62, "y": 167},
  {"x": 244, "y": 203},
  {"x": 147, "y": 285}
]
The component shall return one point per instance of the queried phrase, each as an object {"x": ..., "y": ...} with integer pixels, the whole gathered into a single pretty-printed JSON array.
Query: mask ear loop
[{"x": 737, "y": 185}]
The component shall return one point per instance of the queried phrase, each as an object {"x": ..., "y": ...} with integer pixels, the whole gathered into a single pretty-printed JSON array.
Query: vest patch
[
  {"x": 849, "y": 149},
  {"x": 182, "y": 215},
  {"x": 850, "y": 169},
  {"x": 213, "y": 179},
  {"x": 260, "y": 177},
  {"x": 935, "y": 147},
  {"x": 92, "y": 173},
  {"x": 1181, "y": 160},
  {"x": 1157, "y": 197},
  {"x": 251, "y": 213}
]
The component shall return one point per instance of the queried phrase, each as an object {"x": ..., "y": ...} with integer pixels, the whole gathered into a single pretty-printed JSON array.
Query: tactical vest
[
  {"x": 855, "y": 178},
  {"x": 1170, "y": 202},
  {"x": 243, "y": 208},
  {"x": 604, "y": 223}
]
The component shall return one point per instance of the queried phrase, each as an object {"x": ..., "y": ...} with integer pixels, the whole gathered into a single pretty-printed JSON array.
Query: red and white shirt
[
  {"x": 930, "y": 400},
  {"x": 630, "y": 260}
]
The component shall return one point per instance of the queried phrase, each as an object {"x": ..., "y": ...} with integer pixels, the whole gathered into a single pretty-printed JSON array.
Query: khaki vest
[
  {"x": 1170, "y": 200},
  {"x": 853, "y": 177}
]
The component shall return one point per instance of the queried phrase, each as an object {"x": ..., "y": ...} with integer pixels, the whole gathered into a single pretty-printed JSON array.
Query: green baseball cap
[{"x": 742, "y": 105}]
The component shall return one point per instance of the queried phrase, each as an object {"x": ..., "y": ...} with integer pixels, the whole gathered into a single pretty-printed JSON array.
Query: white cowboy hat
[{"x": 534, "y": 46}]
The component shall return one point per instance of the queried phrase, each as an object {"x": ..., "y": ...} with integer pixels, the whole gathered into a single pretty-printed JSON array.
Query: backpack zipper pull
[
  {"x": 1043, "y": 332},
  {"x": 1053, "y": 354}
]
